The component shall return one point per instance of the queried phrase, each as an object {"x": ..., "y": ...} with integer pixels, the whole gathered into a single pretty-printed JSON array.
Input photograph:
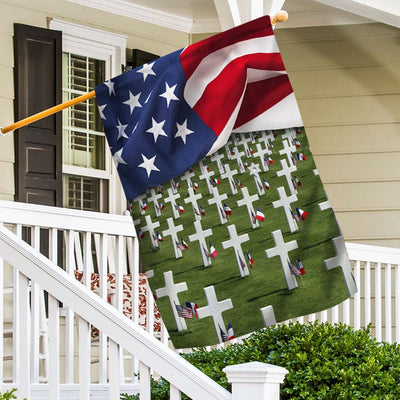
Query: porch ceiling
[{"x": 199, "y": 16}]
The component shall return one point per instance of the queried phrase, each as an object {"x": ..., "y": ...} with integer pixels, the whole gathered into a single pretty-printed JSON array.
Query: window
[{"x": 90, "y": 57}]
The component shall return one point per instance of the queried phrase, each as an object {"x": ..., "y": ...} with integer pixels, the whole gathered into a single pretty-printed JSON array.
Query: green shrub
[{"x": 325, "y": 362}]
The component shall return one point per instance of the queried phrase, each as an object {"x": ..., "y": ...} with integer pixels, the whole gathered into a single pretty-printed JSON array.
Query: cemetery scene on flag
[{"x": 247, "y": 173}]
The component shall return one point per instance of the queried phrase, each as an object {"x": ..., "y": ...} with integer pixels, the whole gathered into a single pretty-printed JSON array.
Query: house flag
[
  {"x": 165, "y": 116},
  {"x": 169, "y": 126}
]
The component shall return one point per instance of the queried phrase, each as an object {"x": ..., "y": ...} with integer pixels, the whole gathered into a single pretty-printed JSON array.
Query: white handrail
[{"x": 119, "y": 328}]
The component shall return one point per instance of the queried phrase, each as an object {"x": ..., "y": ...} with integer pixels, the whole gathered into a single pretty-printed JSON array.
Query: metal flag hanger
[{"x": 280, "y": 16}]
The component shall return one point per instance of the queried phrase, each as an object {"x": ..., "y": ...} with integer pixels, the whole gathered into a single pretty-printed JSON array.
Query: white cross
[
  {"x": 342, "y": 260},
  {"x": 267, "y": 137},
  {"x": 171, "y": 199},
  {"x": 237, "y": 156},
  {"x": 216, "y": 157},
  {"x": 154, "y": 198},
  {"x": 288, "y": 150},
  {"x": 248, "y": 202},
  {"x": 254, "y": 170},
  {"x": 201, "y": 235},
  {"x": 150, "y": 228},
  {"x": 287, "y": 172},
  {"x": 315, "y": 171},
  {"x": 228, "y": 151},
  {"x": 193, "y": 199},
  {"x": 268, "y": 315},
  {"x": 325, "y": 205},
  {"x": 230, "y": 174},
  {"x": 244, "y": 139},
  {"x": 139, "y": 199},
  {"x": 236, "y": 241},
  {"x": 207, "y": 175},
  {"x": 285, "y": 201},
  {"x": 289, "y": 134},
  {"x": 261, "y": 154},
  {"x": 282, "y": 249},
  {"x": 187, "y": 177},
  {"x": 173, "y": 186},
  {"x": 171, "y": 290},
  {"x": 214, "y": 309},
  {"x": 172, "y": 231},
  {"x": 217, "y": 200}
]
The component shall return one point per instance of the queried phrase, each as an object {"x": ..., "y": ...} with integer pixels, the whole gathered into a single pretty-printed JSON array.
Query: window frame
[{"x": 111, "y": 48}]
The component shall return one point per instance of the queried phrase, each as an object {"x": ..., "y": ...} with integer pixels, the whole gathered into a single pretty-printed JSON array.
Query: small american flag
[{"x": 184, "y": 312}]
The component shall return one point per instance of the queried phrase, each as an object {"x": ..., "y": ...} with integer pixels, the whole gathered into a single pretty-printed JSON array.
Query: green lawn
[{"x": 318, "y": 288}]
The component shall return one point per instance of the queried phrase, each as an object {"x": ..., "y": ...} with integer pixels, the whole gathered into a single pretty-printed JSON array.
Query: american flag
[
  {"x": 160, "y": 118},
  {"x": 184, "y": 312}
]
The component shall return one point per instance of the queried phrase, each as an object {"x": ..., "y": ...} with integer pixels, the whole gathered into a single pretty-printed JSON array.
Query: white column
[{"x": 255, "y": 380}]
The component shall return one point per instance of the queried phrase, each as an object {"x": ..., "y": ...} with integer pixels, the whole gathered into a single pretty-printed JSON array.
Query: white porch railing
[
  {"x": 46, "y": 349},
  {"x": 47, "y": 315}
]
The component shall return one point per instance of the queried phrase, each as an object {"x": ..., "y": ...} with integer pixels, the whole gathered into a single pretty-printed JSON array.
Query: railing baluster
[
  {"x": 51, "y": 339},
  {"x": 84, "y": 359},
  {"x": 102, "y": 263},
  {"x": 22, "y": 334},
  {"x": 388, "y": 303},
  {"x": 54, "y": 348},
  {"x": 69, "y": 314},
  {"x": 35, "y": 314},
  {"x": 378, "y": 303},
  {"x": 397, "y": 301},
  {"x": 174, "y": 393},
  {"x": 144, "y": 372},
  {"x": 1, "y": 318},
  {"x": 357, "y": 298},
  {"x": 367, "y": 293}
]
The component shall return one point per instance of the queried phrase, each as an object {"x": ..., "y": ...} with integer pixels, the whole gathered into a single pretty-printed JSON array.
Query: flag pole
[
  {"x": 280, "y": 16},
  {"x": 46, "y": 113}
]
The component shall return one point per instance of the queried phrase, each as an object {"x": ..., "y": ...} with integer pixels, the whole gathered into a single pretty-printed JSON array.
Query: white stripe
[
  {"x": 285, "y": 114},
  {"x": 255, "y": 75},
  {"x": 212, "y": 65},
  {"x": 226, "y": 132}
]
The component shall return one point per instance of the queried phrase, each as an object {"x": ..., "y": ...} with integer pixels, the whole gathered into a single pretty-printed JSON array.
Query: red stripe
[
  {"x": 193, "y": 54},
  {"x": 255, "y": 102},
  {"x": 222, "y": 94}
]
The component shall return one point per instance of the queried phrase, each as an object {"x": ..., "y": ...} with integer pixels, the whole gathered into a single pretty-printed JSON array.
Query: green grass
[{"x": 318, "y": 289}]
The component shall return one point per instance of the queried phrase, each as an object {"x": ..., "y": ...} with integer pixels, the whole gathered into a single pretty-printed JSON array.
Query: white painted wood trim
[{"x": 129, "y": 335}]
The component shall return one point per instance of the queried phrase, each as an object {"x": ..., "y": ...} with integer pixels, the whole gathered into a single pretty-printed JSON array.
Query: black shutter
[{"x": 38, "y": 86}]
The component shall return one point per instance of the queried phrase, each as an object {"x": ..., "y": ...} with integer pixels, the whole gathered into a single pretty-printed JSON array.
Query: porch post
[{"x": 255, "y": 380}]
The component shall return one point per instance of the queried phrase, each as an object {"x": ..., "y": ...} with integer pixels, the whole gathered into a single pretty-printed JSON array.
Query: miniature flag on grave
[
  {"x": 185, "y": 245},
  {"x": 266, "y": 184},
  {"x": 213, "y": 251},
  {"x": 300, "y": 156},
  {"x": 260, "y": 216},
  {"x": 193, "y": 307},
  {"x": 250, "y": 258},
  {"x": 301, "y": 213},
  {"x": 243, "y": 77},
  {"x": 300, "y": 267},
  {"x": 223, "y": 334},
  {"x": 230, "y": 333},
  {"x": 184, "y": 312},
  {"x": 227, "y": 209}
]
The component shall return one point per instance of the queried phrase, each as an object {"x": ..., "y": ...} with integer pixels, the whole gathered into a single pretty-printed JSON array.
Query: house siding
[{"x": 347, "y": 83}]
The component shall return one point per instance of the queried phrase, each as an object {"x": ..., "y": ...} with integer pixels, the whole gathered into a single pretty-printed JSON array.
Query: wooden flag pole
[
  {"x": 46, "y": 113},
  {"x": 280, "y": 16}
]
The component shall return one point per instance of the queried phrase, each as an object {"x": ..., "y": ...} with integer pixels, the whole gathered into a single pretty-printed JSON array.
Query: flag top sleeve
[{"x": 165, "y": 116}]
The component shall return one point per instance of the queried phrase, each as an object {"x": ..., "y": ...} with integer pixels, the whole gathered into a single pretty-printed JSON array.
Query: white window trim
[{"x": 110, "y": 47}]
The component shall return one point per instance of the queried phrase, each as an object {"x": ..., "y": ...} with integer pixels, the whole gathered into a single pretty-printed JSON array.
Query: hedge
[{"x": 324, "y": 362}]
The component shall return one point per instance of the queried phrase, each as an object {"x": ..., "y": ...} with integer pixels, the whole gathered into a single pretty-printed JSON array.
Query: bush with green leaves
[{"x": 324, "y": 362}]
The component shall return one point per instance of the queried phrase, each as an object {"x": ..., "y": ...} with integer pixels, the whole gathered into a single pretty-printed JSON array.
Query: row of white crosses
[{"x": 213, "y": 309}]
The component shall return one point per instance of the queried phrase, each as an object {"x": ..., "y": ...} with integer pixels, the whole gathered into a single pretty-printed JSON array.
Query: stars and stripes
[
  {"x": 160, "y": 118},
  {"x": 193, "y": 307},
  {"x": 184, "y": 312}
]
